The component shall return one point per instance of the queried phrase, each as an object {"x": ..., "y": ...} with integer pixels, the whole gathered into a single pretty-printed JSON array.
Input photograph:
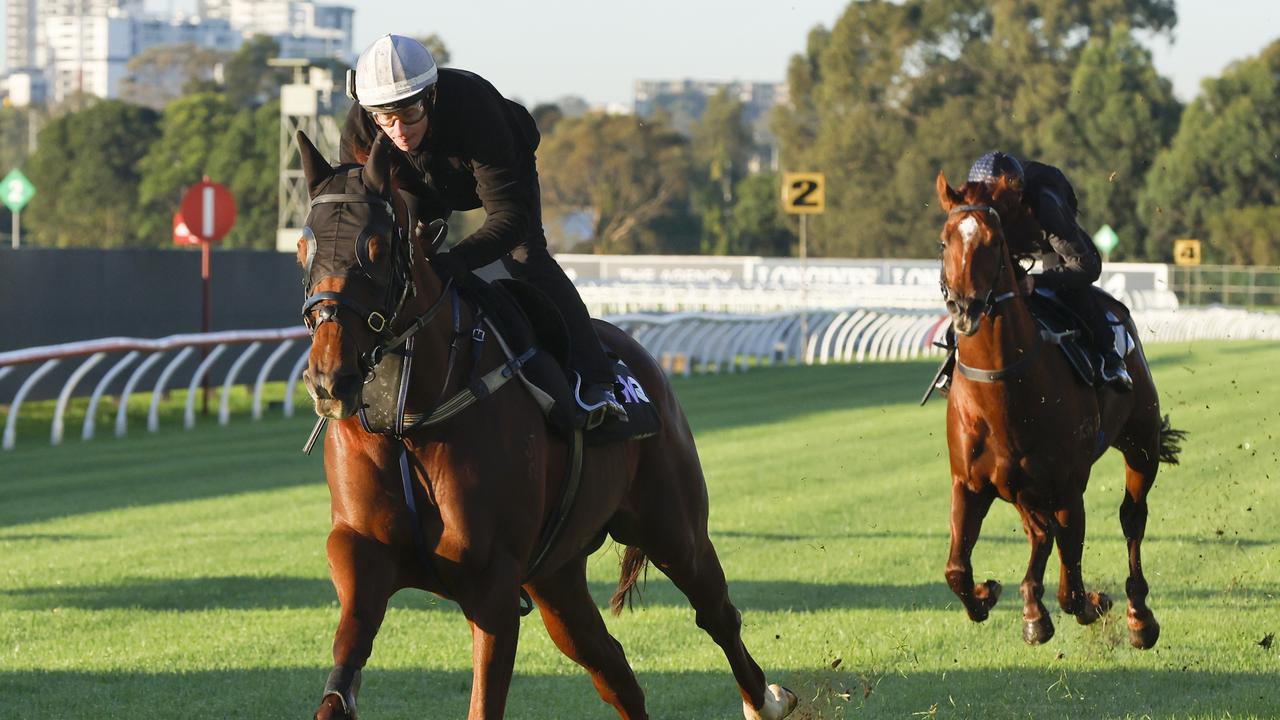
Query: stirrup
[{"x": 597, "y": 412}]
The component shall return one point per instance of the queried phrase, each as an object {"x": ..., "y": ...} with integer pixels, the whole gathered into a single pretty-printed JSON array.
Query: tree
[
  {"x": 86, "y": 170},
  {"x": 162, "y": 73},
  {"x": 1119, "y": 115},
  {"x": 435, "y": 45},
  {"x": 720, "y": 145},
  {"x": 893, "y": 92},
  {"x": 190, "y": 129},
  {"x": 1219, "y": 180},
  {"x": 631, "y": 175},
  {"x": 545, "y": 116},
  {"x": 757, "y": 225},
  {"x": 249, "y": 80},
  {"x": 18, "y": 126},
  {"x": 246, "y": 159}
]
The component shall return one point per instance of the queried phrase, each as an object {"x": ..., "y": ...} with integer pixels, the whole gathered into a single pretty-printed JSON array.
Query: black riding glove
[{"x": 451, "y": 265}]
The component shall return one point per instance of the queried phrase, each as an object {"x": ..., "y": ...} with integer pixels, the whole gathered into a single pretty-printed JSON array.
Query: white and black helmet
[{"x": 392, "y": 71}]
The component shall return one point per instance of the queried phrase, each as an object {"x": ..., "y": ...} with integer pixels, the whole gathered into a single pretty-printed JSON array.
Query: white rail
[
  {"x": 684, "y": 343},
  {"x": 178, "y": 348}
]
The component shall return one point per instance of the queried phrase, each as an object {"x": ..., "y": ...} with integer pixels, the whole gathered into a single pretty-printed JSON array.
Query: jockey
[
  {"x": 462, "y": 145},
  {"x": 1070, "y": 262}
]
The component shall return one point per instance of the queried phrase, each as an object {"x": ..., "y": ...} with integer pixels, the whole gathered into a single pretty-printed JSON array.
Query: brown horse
[
  {"x": 1022, "y": 427},
  {"x": 486, "y": 481}
]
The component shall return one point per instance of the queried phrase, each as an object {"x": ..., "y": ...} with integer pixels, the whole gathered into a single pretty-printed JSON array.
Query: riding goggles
[{"x": 408, "y": 115}]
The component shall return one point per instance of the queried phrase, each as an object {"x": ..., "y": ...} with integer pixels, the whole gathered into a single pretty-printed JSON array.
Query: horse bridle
[
  {"x": 991, "y": 300},
  {"x": 398, "y": 286}
]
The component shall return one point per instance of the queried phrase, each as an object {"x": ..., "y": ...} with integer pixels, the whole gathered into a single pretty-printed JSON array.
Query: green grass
[{"x": 181, "y": 575}]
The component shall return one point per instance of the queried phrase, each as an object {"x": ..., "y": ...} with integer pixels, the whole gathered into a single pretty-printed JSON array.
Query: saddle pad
[{"x": 642, "y": 417}]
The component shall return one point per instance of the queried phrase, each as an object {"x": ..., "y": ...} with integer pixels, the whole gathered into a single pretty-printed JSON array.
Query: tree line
[{"x": 879, "y": 102}]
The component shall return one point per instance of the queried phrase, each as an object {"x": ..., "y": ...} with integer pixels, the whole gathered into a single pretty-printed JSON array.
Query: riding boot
[
  {"x": 1113, "y": 372},
  {"x": 594, "y": 386}
]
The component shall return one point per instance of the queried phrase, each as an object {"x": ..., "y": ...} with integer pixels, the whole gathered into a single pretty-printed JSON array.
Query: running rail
[
  {"x": 683, "y": 342},
  {"x": 141, "y": 355}
]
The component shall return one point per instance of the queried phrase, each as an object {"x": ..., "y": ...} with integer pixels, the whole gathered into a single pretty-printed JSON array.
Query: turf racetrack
[{"x": 182, "y": 575}]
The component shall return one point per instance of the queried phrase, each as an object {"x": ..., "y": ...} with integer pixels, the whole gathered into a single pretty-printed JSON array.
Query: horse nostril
[{"x": 318, "y": 390}]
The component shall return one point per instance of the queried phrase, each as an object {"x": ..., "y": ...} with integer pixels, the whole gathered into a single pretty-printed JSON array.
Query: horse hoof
[
  {"x": 779, "y": 702},
  {"x": 983, "y": 603},
  {"x": 1145, "y": 636},
  {"x": 1097, "y": 605},
  {"x": 1037, "y": 632}
]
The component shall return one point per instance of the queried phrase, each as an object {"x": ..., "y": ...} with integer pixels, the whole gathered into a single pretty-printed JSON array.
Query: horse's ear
[
  {"x": 314, "y": 165},
  {"x": 377, "y": 169},
  {"x": 947, "y": 196}
]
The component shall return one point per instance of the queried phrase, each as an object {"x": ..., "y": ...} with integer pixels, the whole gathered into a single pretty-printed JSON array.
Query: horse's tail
[
  {"x": 633, "y": 565},
  {"x": 1170, "y": 442}
]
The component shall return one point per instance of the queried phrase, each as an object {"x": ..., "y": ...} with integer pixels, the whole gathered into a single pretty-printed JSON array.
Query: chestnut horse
[
  {"x": 479, "y": 488},
  {"x": 1022, "y": 427}
]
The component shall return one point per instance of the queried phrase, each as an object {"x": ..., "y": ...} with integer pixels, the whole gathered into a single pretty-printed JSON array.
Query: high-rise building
[
  {"x": 302, "y": 28},
  {"x": 25, "y": 25},
  {"x": 684, "y": 101},
  {"x": 56, "y": 48}
]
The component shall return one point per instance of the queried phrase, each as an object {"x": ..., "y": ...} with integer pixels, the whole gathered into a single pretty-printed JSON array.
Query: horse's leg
[
  {"x": 574, "y": 623},
  {"x": 363, "y": 573},
  {"x": 1140, "y": 474},
  {"x": 491, "y": 602},
  {"x": 1072, "y": 598},
  {"x": 1037, "y": 626},
  {"x": 696, "y": 570},
  {"x": 968, "y": 509}
]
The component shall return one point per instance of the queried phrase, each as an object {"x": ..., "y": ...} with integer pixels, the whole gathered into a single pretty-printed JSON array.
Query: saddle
[
  {"x": 1059, "y": 325},
  {"x": 527, "y": 318},
  {"x": 1062, "y": 326},
  {"x": 536, "y": 341}
]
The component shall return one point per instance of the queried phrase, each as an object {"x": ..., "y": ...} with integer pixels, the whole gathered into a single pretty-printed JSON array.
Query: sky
[{"x": 597, "y": 49}]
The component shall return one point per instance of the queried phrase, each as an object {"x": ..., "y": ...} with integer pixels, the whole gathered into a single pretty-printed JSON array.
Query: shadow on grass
[
  {"x": 270, "y": 593},
  {"x": 238, "y": 592},
  {"x": 774, "y": 394},
  {"x": 45, "y": 483},
  {"x": 1002, "y": 538},
  {"x": 1043, "y": 693}
]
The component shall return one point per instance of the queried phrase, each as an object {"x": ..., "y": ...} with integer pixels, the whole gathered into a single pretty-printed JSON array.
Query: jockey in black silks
[
  {"x": 1069, "y": 260},
  {"x": 461, "y": 145}
]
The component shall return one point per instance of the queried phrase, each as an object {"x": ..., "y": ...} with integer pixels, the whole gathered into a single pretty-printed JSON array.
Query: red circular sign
[{"x": 209, "y": 210}]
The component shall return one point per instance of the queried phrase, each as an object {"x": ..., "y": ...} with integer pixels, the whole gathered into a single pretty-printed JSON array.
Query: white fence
[
  {"x": 684, "y": 342},
  {"x": 142, "y": 356}
]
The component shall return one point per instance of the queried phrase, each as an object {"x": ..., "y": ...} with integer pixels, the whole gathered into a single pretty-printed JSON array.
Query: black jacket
[
  {"x": 478, "y": 152},
  {"x": 1066, "y": 252}
]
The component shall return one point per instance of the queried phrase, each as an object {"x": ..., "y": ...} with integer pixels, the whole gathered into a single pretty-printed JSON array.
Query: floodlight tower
[{"x": 309, "y": 104}]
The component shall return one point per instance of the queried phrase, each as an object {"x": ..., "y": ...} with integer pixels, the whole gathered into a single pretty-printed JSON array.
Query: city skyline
[{"x": 568, "y": 47}]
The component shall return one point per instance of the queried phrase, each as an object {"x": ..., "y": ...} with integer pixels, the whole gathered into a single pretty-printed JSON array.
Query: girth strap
[{"x": 573, "y": 478}]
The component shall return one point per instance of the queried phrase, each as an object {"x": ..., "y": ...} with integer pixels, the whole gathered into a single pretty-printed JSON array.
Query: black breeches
[
  {"x": 1085, "y": 303},
  {"x": 531, "y": 263}
]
